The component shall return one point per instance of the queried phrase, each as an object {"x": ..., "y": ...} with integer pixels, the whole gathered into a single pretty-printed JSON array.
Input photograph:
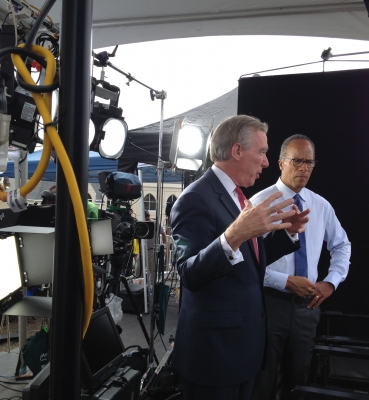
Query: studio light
[
  {"x": 190, "y": 144},
  {"x": 109, "y": 131}
]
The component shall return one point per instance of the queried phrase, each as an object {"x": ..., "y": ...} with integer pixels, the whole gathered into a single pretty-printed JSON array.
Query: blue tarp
[
  {"x": 96, "y": 165},
  {"x": 146, "y": 137}
]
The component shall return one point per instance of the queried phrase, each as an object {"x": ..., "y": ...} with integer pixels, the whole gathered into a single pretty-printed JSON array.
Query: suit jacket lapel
[
  {"x": 227, "y": 201},
  {"x": 224, "y": 196}
]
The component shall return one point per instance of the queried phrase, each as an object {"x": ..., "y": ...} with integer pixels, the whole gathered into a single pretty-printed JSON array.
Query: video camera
[{"x": 122, "y": 188}]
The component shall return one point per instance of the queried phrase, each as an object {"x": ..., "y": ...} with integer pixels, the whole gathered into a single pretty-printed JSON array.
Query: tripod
[
  {"x": 160, "y": 380},
  {"x": 117, "y": 263}
]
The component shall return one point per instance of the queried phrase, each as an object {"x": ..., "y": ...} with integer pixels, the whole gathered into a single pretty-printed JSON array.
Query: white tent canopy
[{"x": 130, "y": 21}]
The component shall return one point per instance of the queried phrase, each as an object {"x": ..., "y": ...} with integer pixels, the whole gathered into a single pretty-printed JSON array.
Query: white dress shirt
[
  {"x": 323, "y": 225},
  {"x": 234, "y": 257}
]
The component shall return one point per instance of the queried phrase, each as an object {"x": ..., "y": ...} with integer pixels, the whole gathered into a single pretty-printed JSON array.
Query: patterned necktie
[
  {"x": 301, "y": 267},
  {"x": 241, "y": 199}
]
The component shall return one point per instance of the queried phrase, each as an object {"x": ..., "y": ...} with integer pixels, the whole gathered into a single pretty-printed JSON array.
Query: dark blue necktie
[{"x": 301, "y": 267}]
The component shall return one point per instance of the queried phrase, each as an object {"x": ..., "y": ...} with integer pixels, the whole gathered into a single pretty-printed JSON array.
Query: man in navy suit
[{"x": 221, "y": 333}]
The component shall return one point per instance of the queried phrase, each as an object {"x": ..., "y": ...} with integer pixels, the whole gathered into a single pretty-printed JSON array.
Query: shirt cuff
[
  {"x": 294, "y": 238},
  {"x": 275, "y": 279},
  {"x": 334, "y": 278},
  {"x": 234, "y": 257}
]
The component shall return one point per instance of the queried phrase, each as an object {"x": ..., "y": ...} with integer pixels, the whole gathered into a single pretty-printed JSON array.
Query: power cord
[{"x": 52, "y": 139}]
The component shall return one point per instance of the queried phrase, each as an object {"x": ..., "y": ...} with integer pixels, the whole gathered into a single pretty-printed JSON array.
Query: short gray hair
[
  {"x": 285, "y": 144},
  {"x": 233, "y": 130}
]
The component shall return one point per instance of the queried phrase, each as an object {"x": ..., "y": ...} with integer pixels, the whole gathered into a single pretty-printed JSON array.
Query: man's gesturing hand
[
  {"x": 255, "y": 221},
  {"x": 297, "y": 221}
]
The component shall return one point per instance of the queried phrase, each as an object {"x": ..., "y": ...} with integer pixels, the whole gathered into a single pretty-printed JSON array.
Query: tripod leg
[{"x": 138, "y": 315}]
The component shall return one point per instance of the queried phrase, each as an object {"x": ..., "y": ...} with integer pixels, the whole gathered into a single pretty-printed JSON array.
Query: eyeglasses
[{"x": 298, "y": 162}]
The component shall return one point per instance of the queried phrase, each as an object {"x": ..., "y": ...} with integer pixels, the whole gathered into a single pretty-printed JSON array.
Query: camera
[{"x": 122, "y": 188}]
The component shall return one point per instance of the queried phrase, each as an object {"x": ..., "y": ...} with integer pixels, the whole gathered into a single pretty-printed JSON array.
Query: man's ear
[
  {"x": 280, "y": 163},
  {"x": 236, "y": 151}
]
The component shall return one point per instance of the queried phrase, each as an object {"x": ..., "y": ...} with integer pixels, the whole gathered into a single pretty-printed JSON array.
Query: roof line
[{"x": 259, "y": 12}]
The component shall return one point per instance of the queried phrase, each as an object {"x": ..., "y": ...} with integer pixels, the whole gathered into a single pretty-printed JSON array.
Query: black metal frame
[{"x": 74, "y": 115}]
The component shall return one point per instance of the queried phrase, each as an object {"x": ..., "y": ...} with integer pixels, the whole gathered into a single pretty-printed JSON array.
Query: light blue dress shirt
[{"x": 323, "y": 225}]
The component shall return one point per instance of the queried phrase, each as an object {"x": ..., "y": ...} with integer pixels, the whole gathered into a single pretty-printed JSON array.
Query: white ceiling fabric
[{"x": 130, "y": 21}]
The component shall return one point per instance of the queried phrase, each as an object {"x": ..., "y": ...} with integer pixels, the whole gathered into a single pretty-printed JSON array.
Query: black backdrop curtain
[{"x": 331, "y": 109}]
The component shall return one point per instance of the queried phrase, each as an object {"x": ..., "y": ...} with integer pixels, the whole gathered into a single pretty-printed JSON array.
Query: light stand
[
  {"x": 102, "y": 60},
  {"x": 161, "y": 96},
  {"x": 143, "y": 246}
]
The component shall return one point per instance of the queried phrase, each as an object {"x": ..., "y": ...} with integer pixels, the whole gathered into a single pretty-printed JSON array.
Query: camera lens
[{"x": 142, "y": 230}]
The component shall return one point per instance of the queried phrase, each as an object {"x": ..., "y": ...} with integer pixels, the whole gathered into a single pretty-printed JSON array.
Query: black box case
[
  {"x": 137, "y": 290},
  {"x": 123, "y": 385}
]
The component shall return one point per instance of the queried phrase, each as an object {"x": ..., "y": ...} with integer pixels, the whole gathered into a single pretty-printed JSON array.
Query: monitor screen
[
  {"x": 9, "y": 267},
  {"x": 102, "y": 350},
  {"x": 101, "y": 237}
]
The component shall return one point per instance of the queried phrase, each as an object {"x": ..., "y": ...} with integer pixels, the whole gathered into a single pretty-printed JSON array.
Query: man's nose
[{"x": 265, "y": 163}]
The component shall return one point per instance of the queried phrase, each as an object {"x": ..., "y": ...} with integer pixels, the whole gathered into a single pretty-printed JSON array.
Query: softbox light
[
  {"x": 109, "y": 131},
  {"x": 190, "y": 143}
]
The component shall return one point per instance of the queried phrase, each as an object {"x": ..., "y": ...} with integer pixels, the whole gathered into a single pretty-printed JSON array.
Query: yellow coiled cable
[{"x": 52, "y": 139}]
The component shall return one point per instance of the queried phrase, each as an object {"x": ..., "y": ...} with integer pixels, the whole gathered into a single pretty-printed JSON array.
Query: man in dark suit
[{"x": 221, "y": 331}]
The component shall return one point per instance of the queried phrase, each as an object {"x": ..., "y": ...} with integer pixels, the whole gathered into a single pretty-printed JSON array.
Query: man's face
[
  {"x": 252, "y": 160},
  {"x": 296, "y": 178}
]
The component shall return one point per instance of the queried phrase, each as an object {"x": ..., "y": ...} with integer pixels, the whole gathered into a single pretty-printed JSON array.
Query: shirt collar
[
  {"x": 287, "y": 192},
  {"x": 226, "y": 181}
]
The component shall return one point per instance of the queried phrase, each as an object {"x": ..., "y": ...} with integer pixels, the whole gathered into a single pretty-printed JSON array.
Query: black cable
[
  {"x": 348, "y": 60},
  {"x": 40, "y": 88},
  {"x": 131, "y": 273},
  {"x": 348, "y": 54},
  {"x": 12, "y": 383},
  {"x": 40, "y": 19},
  {"x": 106, "y": 304},
  {"x": 39, "y": 77},
  {"x": 172, "y": 396},
  {"x": 277, "y": 69},
  {"x": 7, "y": 15},
  {"x": 165, "y": 281},
  {"x": 14, "y": 390},
  {"x": 125, "y": 266},
  {"x": 140, "y": 148},
  {"x": 46, "y": 37},
  {"x": 23, "y": 159},
  {"x": 162, "y": 341},
  {"x": 11, "y": 398},
  {"x": 23, "y": 52}
]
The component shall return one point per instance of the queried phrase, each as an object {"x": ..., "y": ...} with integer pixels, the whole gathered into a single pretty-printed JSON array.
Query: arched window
[
  {"x": 150, "y": 202},
  {"x": 171, "y": 199}
]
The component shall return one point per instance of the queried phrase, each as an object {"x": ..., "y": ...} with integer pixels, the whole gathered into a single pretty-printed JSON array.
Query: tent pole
[{"x": 74, "y": 115}]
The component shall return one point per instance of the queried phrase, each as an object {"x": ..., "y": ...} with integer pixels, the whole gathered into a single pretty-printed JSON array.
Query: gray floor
[
  {"x": 9, "y": 388},
  {"x": 132, "y": 335}
]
